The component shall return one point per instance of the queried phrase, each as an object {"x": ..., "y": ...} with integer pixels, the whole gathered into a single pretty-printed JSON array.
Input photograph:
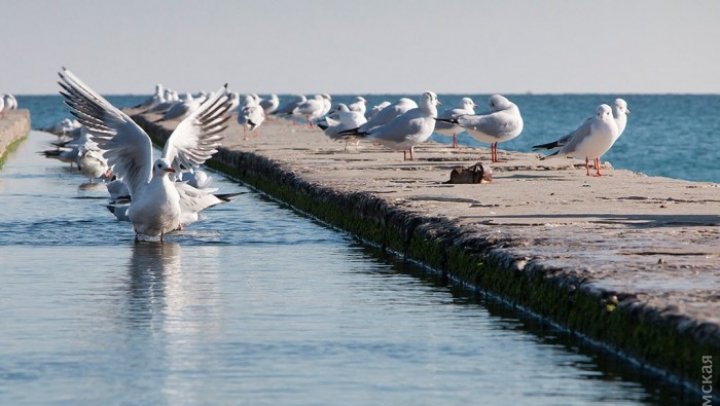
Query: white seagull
[
  {"x": 620, "y": 112},
  {"x": 592, "y": 139},
  {"x": 502, "y": 123},
  {"x": 342, "y": 119},
  {"x": 155, "y": 207},
  {"x": 287, "y": 108},
  {"x": 376, "y": 109},
  {"x": 270, "y": 105},
  {"x": 388, "y": 114},
  {"x": 407, "y": 130},
  {"x": 251, "y": 118},
  {"x": 466, "y": 106},
  {"x": 360, "y": 104},
  {"x": 311, "y": 109}
]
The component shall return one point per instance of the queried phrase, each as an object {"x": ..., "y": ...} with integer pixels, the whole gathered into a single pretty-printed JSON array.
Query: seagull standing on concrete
[
  {"x": 466, "y": 106},
  {"x": 311, "y": 109},
  {"x": 502, "y": 123},
  {"x": 407, "y": 130},
  {"x": 388, "y": 114},
  {"x": 155, "y": 207},
  {"x": 252, "y": 118},
  {"x": 592, "y": 139},
  {"x": 270, "y": 105},
  {"x": 342, "y": 119},
  {"x": 620, "y": 112}
]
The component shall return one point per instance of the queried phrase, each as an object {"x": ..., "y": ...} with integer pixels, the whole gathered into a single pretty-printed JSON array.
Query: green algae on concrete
[{"x": 654, "y": 337}]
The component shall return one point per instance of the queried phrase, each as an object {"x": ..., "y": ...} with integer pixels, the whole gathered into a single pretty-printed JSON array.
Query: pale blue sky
[{"x": 364, "y": 46}]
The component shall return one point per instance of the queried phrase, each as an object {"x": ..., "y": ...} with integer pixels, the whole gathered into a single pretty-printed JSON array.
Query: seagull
[
  {"x": 153, "y": 100},
  {"x": 311, "y": 109},
  {"x": 466, "y": 106},
  {"x": 251, "y": 117},
  {"x": 181, "y": 108},
  {"x": 270, "y": 105},
  {"x": 376, "y": 109},
  {"x": 342, "y": 119},
  {"x": 327, "y": 104},
  {"x": 11, "y": 102},
  {"x": 502, "y": 123},
  {"x": 620, "y": 112},
  {"x": 92, "y": 164},
  {"x": 360, "y": 105},
  {"x": 195, "y": 196},
  {"x": 155, "y": 207},
  {"x": 592, "y": 139},
  {"x": 287, "y": 108},
  {"x": 388, "y": 114},
  {"x": 406, "y": 130},
  {"x": 199, "y": 179}
]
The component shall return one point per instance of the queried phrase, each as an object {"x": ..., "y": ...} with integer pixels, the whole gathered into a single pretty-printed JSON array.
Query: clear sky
[{"x": 363, "y": 46}]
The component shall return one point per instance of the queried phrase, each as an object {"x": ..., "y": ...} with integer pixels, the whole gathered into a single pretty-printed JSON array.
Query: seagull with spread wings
[{"x": 155, "y": 209}]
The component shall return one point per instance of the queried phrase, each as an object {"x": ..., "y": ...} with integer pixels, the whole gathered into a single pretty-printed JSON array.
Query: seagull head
[
  {"x": 498, "y": 102},
  {"x": 431, "y": 97},
  {"x": 621, "y": 105},
  {"x": 162, "y": 167},
  {"x": 467, "y": 104},
  {"x": 604, "y": 112}
]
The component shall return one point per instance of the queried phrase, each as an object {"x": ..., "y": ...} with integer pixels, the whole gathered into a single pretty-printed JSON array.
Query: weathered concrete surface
[
  {"x": 14, "y": 125},
  {"x": 629, "y": 260}
]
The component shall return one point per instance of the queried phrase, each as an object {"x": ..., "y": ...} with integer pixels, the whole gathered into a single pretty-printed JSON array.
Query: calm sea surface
[{"x": 258, "y": 305}]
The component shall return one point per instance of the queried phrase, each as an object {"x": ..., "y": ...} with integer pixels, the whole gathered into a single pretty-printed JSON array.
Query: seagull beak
[
  {"x": 170, "y": 170},
  {"x": 438, "y": 102},
  {"x": 627, "y": 111}
]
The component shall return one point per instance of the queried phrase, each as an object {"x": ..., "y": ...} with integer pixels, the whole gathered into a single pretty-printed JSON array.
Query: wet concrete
[
  {"x": 628, "y": 260},
  {"x": 14, "y": 125}
]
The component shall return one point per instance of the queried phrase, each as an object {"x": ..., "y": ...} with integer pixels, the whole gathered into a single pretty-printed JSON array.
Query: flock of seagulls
[
  {"x": 161, "y": 195},
  {"x": 156, "y": 195}
]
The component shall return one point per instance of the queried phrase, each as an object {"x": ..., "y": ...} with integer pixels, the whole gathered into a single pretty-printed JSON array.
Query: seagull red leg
[
  {"x": 587, "y": 166},
  {"x": 597, "y": 166}
]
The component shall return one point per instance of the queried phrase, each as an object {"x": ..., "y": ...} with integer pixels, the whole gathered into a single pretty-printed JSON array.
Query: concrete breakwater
[
  {"x": 14, "y": 126},
  {"x": 630, "y": 261}
]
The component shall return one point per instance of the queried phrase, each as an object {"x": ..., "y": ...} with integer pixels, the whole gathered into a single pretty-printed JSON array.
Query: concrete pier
[
  {"x": 14, "y": 126},
  {"x": 630, "y": 261}
]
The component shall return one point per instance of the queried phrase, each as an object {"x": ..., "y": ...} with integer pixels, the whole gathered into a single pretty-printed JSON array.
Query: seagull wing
[
  {"x": 127, "y": 147},
  {"x": 197, "y": 137},
  {"x": 578, "y": 136}
]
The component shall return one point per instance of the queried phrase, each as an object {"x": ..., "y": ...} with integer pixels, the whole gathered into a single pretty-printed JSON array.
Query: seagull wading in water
[
  {"x": 502, "y": 123},
  {"x": 406, "y": 130},
  {"x": 592, "y": 139},
  {"x": 155, "y": 208}
]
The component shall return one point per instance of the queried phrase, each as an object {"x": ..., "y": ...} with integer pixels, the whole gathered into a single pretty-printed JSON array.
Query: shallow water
[{"x": 257, "y": 305}]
